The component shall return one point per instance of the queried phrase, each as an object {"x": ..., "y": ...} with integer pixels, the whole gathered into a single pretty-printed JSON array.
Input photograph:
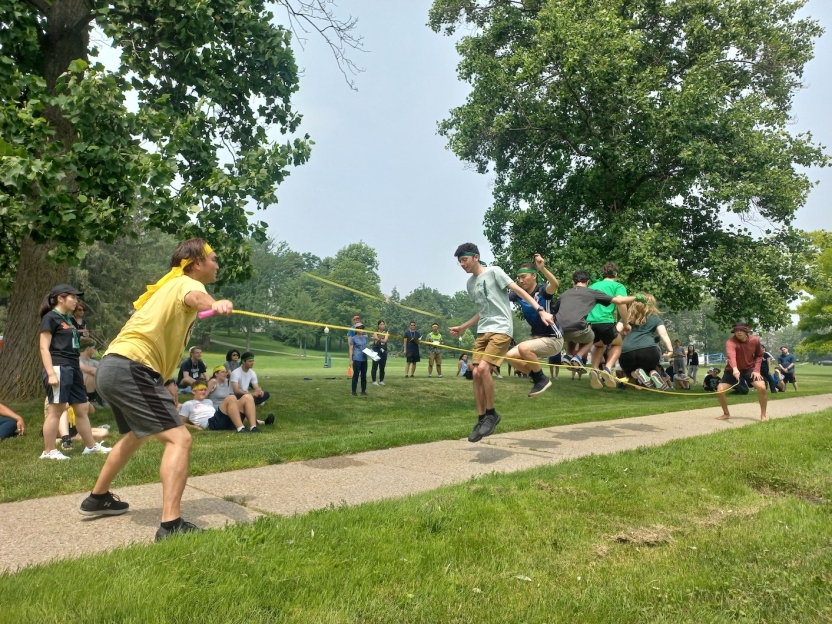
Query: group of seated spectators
[{"x": 224, "y": 400}]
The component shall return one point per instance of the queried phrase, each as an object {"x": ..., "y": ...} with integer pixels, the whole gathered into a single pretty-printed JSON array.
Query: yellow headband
[
  {"x": 172, "y": 274},
  {"x": 219, "y": 368}
]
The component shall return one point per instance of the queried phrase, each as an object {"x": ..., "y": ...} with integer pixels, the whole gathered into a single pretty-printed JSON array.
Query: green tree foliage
[
  {"x": 816, "y": 312},
  {"x": 637, "y": 131}
]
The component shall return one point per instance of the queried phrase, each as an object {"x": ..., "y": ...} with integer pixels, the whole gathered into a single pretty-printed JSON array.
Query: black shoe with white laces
[
  {"x": 107, "y": 505},
  {"x": 182, "y": 527}
]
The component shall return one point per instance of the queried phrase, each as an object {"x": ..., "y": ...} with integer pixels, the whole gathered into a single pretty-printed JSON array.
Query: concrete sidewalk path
[{"x": 37, "y": 531}]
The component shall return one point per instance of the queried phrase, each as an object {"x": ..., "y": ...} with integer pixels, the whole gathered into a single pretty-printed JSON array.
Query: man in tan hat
[{"x": 745, "y": 356}]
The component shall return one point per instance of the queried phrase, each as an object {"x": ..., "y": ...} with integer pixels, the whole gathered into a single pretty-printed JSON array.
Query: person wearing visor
[
  {"x": 244, "y": 380},
  {"x": 131, "y": 378},
  {"x": 546, "y": 340},
  {"x": 63, "y": 379},
  {"x": 745, "y": 357},
  {"x": 487, "y": 288}
]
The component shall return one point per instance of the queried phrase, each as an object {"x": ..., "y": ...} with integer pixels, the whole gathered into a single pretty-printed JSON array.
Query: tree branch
[{"x": 42, "y": 5}]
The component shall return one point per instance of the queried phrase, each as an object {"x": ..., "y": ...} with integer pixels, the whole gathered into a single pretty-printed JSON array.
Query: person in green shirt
[
  {"x": 607, "y": 333},
  {"x": 434, "y": 350}
]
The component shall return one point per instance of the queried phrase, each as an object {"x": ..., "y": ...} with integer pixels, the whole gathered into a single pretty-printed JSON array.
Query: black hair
[
  {"x": 466, "y": 248},
  {"x": 610, "y": 269},
  {"x": 462, "y": 356},
  {"x": 230, "y": 353},
  {"x": 170, "y": 381},
  {"x": 412, "y": 323},
  {"x": 49, "y": 302},
  {"x": 379, "y": 323},
  {"x": 246, "y": 356},
  {"x": 191, "y": 249},
  {"x": 580, "y": 276}
]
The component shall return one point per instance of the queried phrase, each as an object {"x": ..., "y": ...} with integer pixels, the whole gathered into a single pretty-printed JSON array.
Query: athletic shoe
[
  {"x": 269, "y": 419},
  {"x": 253, "y": 429},
  {"x": 108, "y": 505},
  {"x": 643, "y": 378},
  {"x": 475, "y": 436},
  {"x": 566, "y": 360},
  {"x": 489, "y": 424},
  {"x": 182, "y": 527},
  {"x": 595, "y": 379},
  {"x": 430, "y": 376},
  {"x": 578, "y": 362},
  {"x": 66, "y": 442},
  {"x": 499, "y": 376},
  {"x": 53, "y": 454},
  {"x": 375, "y": 383},
  {"x": 364, "y": 394},
  {"x": 658, "y": 382},
  {"x": 381, "y": 383},
  {"x": 609, "y": 379},
  {"x": 540, "y": 386},
  {"x": 354, "y": 393},
  {"x": 440, "y": 376},
  {"x": 98, "y": 448}
]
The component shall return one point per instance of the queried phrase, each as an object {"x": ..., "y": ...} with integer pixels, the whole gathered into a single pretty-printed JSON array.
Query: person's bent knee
[{"x": 179, "y": 436}]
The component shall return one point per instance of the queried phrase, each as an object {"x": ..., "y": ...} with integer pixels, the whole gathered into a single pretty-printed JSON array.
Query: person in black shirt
[
  {"x": 62, "y": 376},
  {"x": 711, "y": 380},
  {"x": 693, "y": 363},
  {"x": 192, "y": 369},
  {"x": 78, "y": 319},
  {"x": 411, "y": 349}
]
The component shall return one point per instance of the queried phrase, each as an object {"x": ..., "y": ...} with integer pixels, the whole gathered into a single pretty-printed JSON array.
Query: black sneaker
[
  {"x": 475, "y": 436},
  {"x": 489, "y": 424},
  {"x": 254, "y": 429},
  {"x": 109, "y": 505},
  {"x": 364, "y": 394},
  {"x": 183, "y": 527},
  {"x": 270, "y": 419},
  {"x": 540, "y": 386},
  {"x": 354, "y": 394}
]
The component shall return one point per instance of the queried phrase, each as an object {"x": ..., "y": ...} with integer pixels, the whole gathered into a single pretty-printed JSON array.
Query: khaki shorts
[
  {"x": 490, "y": 347},
  {"x": 544, "y": 346},
  {"x": 584, "y": 336},
  {"x": 434, "y": 358}
]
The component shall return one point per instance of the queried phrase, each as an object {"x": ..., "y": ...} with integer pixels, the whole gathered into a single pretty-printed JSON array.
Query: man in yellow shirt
[{"x": 131, "y": 378}]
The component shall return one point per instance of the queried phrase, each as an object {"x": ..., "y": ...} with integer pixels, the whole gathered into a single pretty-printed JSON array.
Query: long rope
[
  {"x": 376, "y": 297},
  {"x": 281, "y": 319}
]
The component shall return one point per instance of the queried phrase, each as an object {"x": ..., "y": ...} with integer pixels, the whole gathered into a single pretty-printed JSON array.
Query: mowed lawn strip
[
  {"x": 726, "y": 527},
  {"x": 318, "y": 418}
]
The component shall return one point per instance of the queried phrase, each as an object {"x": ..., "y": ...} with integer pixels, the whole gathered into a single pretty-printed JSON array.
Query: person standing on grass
[
  {"x": 693, "y": 363},
  {"x": 411, "y": 349},
  {"x": 63, "y": 380},
  {"x": 678, "y": 356},
  {"x": 745, "y": 357},
  {"x": 434, "y": 350},
  {"x": 380, "y": 338},
  {"x": 607, "y": 346},
  {"x": 785, "y": 364},
  {"x": 359, "y": 359},
  {"x": 545, "y": 340},
  {"x": 132, "y": 372},
  {"x": 487, "y": 288}
]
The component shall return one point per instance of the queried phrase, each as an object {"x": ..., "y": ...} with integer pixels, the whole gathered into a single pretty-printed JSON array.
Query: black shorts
[
  {"x": 137, "y": 394},
  {"x": 788, "y": 378},
  {"x": 70, "y": 388},
  {"x": 220, "y": 422},
  {"x": 604, "y": 332},
  {"x": 412, "y": 359},
  {"x": 728, "y": 376},
  {"x": 647, "y": 359},
  {"x": 555, "y": 360}
]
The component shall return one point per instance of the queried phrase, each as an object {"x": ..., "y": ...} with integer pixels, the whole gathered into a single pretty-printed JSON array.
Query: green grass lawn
[
  {"x": 735, "y": 526},
  {"x": 319, "y": 418}
]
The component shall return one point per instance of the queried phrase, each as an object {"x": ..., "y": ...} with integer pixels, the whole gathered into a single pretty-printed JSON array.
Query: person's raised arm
[
  {"x": 547, "y": 318},
  {"x": 203, "y": 301},
  {"x": 552, "y": 286}
]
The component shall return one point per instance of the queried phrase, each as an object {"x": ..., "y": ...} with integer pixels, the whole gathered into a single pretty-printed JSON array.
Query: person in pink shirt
[{"x": 745, "y": 355}]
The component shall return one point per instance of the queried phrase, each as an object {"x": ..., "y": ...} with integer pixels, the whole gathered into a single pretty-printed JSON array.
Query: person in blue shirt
[
  {"x": 785, "y": 364},
  {"x": 359, "y": 359}
]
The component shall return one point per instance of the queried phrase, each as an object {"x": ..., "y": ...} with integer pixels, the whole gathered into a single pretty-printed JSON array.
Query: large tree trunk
[{"x": 20, "y": 364}]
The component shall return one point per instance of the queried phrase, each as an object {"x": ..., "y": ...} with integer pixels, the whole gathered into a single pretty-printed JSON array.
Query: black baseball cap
[{"x": 65, "y": 289}]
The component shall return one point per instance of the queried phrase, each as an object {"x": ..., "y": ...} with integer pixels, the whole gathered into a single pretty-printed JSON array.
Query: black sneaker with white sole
[
  {"x": 540, "y": 386},
  {"x": 475, "y": 436},
  {"x": 182, "y": 527},
  {"x": 107, "y": 505}
]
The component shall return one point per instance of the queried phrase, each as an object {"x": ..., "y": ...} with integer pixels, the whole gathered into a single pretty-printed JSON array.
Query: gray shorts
[
  {"x": 137, "y": 394},
  {"x": 582, "y": 336}
]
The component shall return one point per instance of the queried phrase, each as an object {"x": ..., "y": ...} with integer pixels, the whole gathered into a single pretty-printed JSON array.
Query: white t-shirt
[
  {"x": 488, "y": 291},
  {"x": 243, "y": 379},
  {"x": 198, "y": 412}
]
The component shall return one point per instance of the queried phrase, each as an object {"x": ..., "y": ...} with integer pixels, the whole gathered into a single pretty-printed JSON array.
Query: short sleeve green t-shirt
[
  {"x": 606, "y": 313},
  {"x": 642, "y": 335},
  {"x": 488, "y": 291}
]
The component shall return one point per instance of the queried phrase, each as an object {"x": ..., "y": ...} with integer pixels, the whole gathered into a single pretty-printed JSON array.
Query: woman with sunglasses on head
[{"x": 63, "y": 380}]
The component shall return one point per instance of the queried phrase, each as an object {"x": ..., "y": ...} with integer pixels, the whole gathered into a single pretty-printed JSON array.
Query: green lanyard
[{"x": 76, "y": 343}]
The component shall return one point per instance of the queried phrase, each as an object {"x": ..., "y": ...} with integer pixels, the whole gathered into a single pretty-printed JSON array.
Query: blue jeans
[
  {"x": 8, "y": 427},
  {"x": 359, "y": 368}
]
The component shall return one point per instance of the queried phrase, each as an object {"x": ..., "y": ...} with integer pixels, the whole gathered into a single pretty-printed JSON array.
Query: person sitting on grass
[
  {"x": 680, "y": 381},
  {"x": 11, "y": 424},
  {"x": 219, "y": 387},
  {"x": 711, "y": 381},
  {"x": 785, "y": 364},
  {"x": 462, "y": 365},
  {"x": 68, "y": 431},
  {"x": 244, "y": 380},
  {"x": 745, "y": 356},
  {"x": 89, "y": 367},
  {"x": 232, "y": 360},
  {"x": 192, "y": 369},
  {"x": 200, "y": 411}
]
